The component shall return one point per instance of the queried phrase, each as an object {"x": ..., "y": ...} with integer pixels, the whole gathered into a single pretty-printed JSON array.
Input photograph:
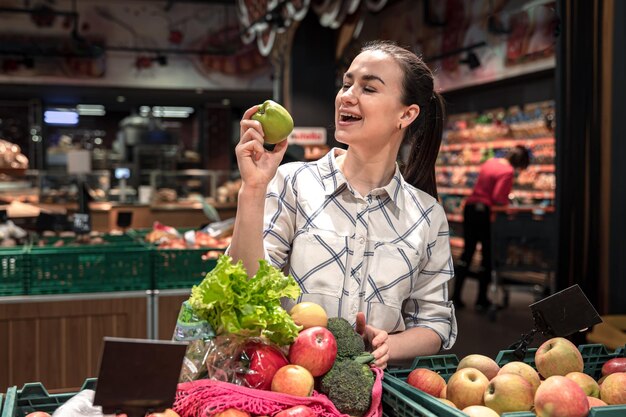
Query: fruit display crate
[
  {"x": 180, "y": 268},
  {"x": 107, "y": 240},
  {"x": 177, "y": 268},
  {"x": 13, "y": 271},
  {"x": 94, "y": 268},
  {"x": 399, "y": 397},
  {"x": 34, "y": 397}
]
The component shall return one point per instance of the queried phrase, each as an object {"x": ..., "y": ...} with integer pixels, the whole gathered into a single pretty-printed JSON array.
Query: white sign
[{"x": 308, "y": 136}]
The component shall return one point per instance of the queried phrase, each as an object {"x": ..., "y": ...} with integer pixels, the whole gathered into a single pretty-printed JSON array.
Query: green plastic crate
[
  {"x": 13, "y": 271},
  {"x": 594, "y": 356},
  {"x": 444, "y": 365},
  {"x": 401, "y": 400},
  {"x": 98, "y": 268},
  {"x": 34, "y": 397},
  {"x": 180, "y": 268},
  {"x": 119, "y": 240}
]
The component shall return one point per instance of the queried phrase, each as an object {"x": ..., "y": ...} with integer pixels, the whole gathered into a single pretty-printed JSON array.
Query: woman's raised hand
[{"x": 257, "y": 165}]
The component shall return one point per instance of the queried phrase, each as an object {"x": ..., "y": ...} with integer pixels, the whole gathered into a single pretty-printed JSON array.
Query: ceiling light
[
  {"x": 91, "y": 110},
  {"x": 60, "y": 117}
]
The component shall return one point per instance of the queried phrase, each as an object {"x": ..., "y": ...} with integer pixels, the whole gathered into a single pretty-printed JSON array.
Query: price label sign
[{"x": 82, "y": 223}]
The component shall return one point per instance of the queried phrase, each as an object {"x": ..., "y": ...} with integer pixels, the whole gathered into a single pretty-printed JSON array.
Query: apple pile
[
  {"x": 557, "y": 388},
  {"x": 327, "y": 353}
]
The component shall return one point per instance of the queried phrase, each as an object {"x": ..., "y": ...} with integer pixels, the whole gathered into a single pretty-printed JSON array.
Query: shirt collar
[{"x": 333, "y": 179}]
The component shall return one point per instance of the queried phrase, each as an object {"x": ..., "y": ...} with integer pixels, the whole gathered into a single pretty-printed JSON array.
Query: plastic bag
[
  {"x": 80, "y": 405},
  {"x": 199, "y": 334}
]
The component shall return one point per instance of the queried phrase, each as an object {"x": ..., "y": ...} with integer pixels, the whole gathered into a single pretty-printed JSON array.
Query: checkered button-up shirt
[{"x": 386, "y": 254}]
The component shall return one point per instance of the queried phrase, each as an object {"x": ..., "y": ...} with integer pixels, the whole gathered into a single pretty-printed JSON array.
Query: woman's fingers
[
  {"x": 251, "y": 125},
  {"x": 247, "y": 118},
  {"x": 280, "y": 148},
  {"x": 360, "y": 323},
  {"x": 251, "y": 135},
  {"x": 252, "y": 148}
]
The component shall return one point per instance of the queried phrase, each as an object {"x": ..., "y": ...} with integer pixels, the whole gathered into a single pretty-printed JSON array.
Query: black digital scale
[{"x": 561, "y": 314}]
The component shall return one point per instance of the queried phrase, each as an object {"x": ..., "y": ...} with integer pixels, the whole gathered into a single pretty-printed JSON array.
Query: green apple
[{"x": 276, "y": 121}]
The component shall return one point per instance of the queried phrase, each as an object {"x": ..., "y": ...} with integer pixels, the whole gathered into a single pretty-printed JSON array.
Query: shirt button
[
  {"x": 354, "y": 310},
  {"x": 361, "y": 240},
  {"x": 357, "y": 274}
]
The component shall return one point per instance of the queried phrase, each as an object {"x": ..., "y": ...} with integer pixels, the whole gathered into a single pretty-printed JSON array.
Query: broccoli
[
  {"x": 348, "y": 385},
  {"x": 349, "y": 342}
]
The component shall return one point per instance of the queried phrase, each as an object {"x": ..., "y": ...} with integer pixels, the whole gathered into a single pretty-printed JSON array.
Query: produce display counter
[
  {"x": 399, "y": 399},
  {"x": 403, "y": 400},
  {"x": 104, "y": 215},
  {"x": 56, "y": 339},
  {"x": 57, "y": 302}
]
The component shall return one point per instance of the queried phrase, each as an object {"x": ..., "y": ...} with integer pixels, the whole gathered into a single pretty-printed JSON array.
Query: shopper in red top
[{"x": 492, "y": 188}]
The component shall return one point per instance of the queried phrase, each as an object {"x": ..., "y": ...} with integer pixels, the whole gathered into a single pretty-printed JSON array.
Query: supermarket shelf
[
  {"x": 476, "y": 168},
  {"x": 458, "y": 218},
  {"x": 498, "y": 143},
  {"x": 454, "y": 190},
  {"x": 518, "y": 193},
  {"x": 545, "y": 195}
]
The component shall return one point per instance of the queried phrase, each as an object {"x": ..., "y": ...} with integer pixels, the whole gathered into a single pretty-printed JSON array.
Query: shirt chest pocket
[
  {"x": 318, "y": 262},
  {"x": 392, "y": 275}
]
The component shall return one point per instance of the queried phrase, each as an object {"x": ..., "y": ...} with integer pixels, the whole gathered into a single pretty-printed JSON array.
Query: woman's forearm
[
  {"x": 416, "y": 341},
  {"x": 247, "y": 242}
]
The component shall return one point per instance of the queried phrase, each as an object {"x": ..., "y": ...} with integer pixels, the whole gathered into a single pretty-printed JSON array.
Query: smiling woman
[{"x": 363, "y": 238}]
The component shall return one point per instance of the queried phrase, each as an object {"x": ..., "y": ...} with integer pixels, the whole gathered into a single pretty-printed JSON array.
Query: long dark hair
[{"x": 425, "y": 133}]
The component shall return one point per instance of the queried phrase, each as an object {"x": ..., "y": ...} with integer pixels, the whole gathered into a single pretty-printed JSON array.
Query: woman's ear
[{"x": 410, "y": 114}]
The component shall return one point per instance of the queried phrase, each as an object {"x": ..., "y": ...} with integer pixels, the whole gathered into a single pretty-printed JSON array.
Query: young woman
[{"x": 363, "y": 238}]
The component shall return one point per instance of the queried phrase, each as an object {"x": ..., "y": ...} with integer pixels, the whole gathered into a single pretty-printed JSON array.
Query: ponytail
[{"x": 426, "y": 140}]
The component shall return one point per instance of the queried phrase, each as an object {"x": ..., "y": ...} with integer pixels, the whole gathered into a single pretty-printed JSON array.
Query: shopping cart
[{"x": 523, "y": 243}]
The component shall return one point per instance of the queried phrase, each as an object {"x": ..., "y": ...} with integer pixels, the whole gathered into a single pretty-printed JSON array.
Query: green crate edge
[
  {"x": 137, "y": 283},
  {"x": 18, "y": 403},
  {"x": 445, "y": 365},
  {"x": 396, "y": 391},
  {"x": 170, "y": 279}
]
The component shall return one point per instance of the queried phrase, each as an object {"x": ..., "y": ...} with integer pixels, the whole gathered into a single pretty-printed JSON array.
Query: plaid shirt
[{"x": 386, "y": 254}]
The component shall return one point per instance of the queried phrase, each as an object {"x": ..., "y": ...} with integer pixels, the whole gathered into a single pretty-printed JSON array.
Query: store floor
[{"x": 479, "y": 334}]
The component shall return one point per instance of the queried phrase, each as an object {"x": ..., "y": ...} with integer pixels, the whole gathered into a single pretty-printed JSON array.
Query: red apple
[
  {"x": 466, "y": 387},
  {"x": 558, "y": 396},
  {"x": 479, "y": 411},
  {"x": 508, "y": 393},
  {"x": 614, "y": 365},
  {"x": 524, "y": 370},
  {"x": 613, "y": 390},
  {"x": 296, "y": 411},
  {"x": 587, "y": 383},
  {"x": 558, "y": 356},
  {"x": 315, "y": 349},
  {"x": 447, "y": 402},
  {"x": 265, "y": 360},
  {"x": 232, "y": 412},
  {"x": 484, "y": 364},
  {"x": 595, "y": 402},
  {"x": 426, "y": 380},
  {"x": 293, "y": 380}
]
